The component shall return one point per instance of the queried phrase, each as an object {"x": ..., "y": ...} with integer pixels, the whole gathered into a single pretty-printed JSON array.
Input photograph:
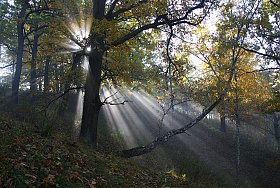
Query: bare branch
[
  {"x": 7, "y": 66},
  {"x": 262, "y": 54},
  {"x": 120, "y": 103},
  {"x": 275, "y": 4},
  {"x": 160, "y": 124},
  {"x": 111, "y": 102},
  {"x": 9, "y": 48},
  {"x": 260, "y": 70},
  {"x": 60, "y": 96}
]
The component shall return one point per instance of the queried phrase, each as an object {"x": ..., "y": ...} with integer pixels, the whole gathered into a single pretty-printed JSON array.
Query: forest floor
[
  {"x": 203, "y": 144},
  {"x": 33, "y": 156},
  {"x": 38, "y": 149}
]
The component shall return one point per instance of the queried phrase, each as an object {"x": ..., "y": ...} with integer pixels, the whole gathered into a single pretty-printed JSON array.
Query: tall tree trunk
[
  {"x": 223, "y": 123},
  {"x": 33, "y": 85},
  {"x": 237, "y": 123},
  {"x": 276, "y": 129},
  {"x": 40, "y": 83},
  {"x": 76, "y": 60},
  {"x": 223, "y": 119},
  {"x": 20, "y": 24},
  {"x": 56, "y": 78},
  {"x": 92, "y": 103},
  {"x": 46, "y": 74},
  {"x": 0, "y": 54}
]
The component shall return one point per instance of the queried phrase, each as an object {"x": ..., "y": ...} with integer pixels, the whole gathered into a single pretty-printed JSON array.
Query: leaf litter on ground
[{"x": 29, "y": 159}]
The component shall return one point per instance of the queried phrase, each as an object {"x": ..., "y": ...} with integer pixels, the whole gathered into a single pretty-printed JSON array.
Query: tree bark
[
  {"x": 56, "y": 77},
  {"x": 223, "y": 123},
  {"x": 0, "y": 54},
  {"x": 76, "y": 60},
  {"x": 46, "y": 75},
  {"x": 237, "y": 123},
  {"x": 223, "y": 119},
  {"x": 33, "y": 85},
  {"x": 92, "y": 103},
  {"x": 276, "y": 129},
  {"x": 16, "y": 81}
]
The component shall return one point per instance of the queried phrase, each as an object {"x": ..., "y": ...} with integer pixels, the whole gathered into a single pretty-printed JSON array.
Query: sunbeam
[
  {"x": 79, "y": 26},
  {"x": 80, "y": 100},
  {"x": 79, "y": 30},
  {"x": 137, "y": 119}
]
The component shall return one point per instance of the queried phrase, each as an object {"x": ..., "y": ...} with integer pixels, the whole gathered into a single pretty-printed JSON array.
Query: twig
[
  {"x": 111, "y": 102},
  {"x": 61, "y": 95}
]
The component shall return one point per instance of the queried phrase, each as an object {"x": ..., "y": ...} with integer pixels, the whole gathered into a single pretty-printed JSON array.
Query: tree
[
  {"x": 264, "y": 42},
  {"x": 272, "y": 106},
  {"x": 264, "y": 33},
  {"x": 96, "y": 103},
  {"x": 27, "y": 9},
  {"x": 216, "y": 50},
  {"x": 141, "y": 16}
]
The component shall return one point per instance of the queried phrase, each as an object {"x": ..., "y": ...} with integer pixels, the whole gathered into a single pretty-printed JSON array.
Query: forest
[{"x": 139, "y": 93}]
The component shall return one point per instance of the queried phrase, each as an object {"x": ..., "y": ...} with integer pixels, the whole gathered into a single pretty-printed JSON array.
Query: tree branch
[
  {"x": 111, "y": 102},
  {"x": 157, "y": 23},
  {"x": 9, "y": 48},
  {"x": 260, "y": 70},
  {"x": 60, "y": 96},
  {"x": 111, "y": 15},
  {"x": 34, "y": 11},
  {"x": 7, "y": 66},
  {"x": 41, "y": 27},
  {"x": 275, "y": 4},
  {"x": 108, "y": 16},
  {"x": 262, "y": 54}
]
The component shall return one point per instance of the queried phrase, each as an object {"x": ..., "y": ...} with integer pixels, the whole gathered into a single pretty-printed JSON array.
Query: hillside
[
  {"x": 30, "y": 158},
  {"x": 46, "y": 153}
]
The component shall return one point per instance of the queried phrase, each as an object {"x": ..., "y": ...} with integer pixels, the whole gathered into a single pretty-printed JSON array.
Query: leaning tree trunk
[{"x": 20, "y": 24}]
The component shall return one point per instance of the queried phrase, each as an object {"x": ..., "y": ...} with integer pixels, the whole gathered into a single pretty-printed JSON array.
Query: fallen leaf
[{"x": 31, "y": 176}]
